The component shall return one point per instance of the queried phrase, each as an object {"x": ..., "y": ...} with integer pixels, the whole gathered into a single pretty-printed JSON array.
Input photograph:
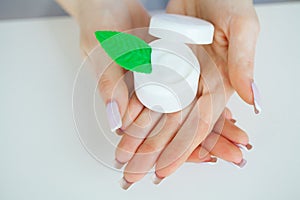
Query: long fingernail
[
  {"x": 118, "y": 165},
  {"x": 113, "y": 115},
  {"x": 119, "y": 132},
  {"x": 247, "y": 147},
  {"x": 242, "y": 163},
  {"x": 212, "y": 160},
  {"x": 233, "y": 121},
  {"x": 125, "y": 184},
  {"x": 257, "y": 98},
  {"x": 156, "y": 180}
]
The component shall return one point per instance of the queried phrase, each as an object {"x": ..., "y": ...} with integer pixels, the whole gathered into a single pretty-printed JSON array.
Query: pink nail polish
[
  {"x": 257, "y": 98},
  {"x": 156, "y": 180},
  {"x": 125, "y": 184},
  {"x": 113, "y": 115},
  {"x": 242, "y": 163}
]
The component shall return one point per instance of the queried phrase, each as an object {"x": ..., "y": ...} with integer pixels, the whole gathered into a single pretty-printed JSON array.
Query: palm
[{"x": 236, "y": 31}]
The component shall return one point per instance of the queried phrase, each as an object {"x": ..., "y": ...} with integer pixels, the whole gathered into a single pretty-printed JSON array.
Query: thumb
[
  {"x": 241, "y": 52},
  {"x": 114, "y": 93}
]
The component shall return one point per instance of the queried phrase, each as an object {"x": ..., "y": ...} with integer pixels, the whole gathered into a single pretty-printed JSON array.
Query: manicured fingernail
[
  {"x": 233, "y": 121},
  {"x": 113, "y": 115},
  {"x": 212, "y": 160},
  {"x": 156, "y": 180},
  {"x": 257, "y": 98},
  {"x": 118, "y": 165},
  {"x": 249, "y": 146},
  {"x": 242, "y": 163},
  {"x": 124, "y": 184},
  {"x": 119, "y": 132}
]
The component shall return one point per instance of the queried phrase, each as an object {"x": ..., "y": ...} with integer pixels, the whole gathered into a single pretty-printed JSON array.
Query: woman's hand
[
  {"x": 233, "y": 50},
  {"x": 116, "y": 15},
  {"x": 222, "y": 142},
  {"x": 236, "y": 31},
  {"x": 233, "y": 53},
  {"x": 214, "y": 92},
  {"x": 169, "y": 140}
]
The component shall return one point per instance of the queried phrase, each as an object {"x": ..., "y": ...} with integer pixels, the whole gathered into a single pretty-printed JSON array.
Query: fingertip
[
  {"x": 241, "y": 54},
  {"x": 227, "y": 113},
  {"x": 241, "y": 163},
  {"x": 234, "y": 134},
  {"x": 237, "y": 155},
  {"x": 122, "y": 155},
  {"x": 132, "y": 177},
  {"x": 242, "y": 84},
  {"x": 163, "y": 170},
  {"x": 223, "y": 148},
  {"x": 117, "y": 164},
  {"x": 156, "y": 179},
  {"x": 112, "y": 87},
  {"x": 124, "y": 184}
]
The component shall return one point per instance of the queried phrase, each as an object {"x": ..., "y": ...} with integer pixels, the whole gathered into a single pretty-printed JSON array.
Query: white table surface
[{"x": 41, "y": 156}]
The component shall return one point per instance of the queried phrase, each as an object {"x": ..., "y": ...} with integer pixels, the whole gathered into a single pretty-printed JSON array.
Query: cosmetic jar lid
[{"x": 181, "y": 28}]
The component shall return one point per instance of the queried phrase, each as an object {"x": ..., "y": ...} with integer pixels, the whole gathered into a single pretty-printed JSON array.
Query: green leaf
[{"x": 129, "y": 51}]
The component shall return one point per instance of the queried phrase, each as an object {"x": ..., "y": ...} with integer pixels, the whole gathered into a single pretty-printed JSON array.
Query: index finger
[{"x": 191, "y": 134}]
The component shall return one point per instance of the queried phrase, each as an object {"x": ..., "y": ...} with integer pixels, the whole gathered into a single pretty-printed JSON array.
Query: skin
[
  {"x": 236, "y": 32},
  {"x": 168, "y": 140},
  {"x": 191, "y": 135},
  {"x": 233, "y": 52},
  {"x": 218, "y": 143}
]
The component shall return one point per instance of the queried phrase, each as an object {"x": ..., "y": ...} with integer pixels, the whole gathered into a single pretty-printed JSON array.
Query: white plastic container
[{"x": 173, "y": 83}]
